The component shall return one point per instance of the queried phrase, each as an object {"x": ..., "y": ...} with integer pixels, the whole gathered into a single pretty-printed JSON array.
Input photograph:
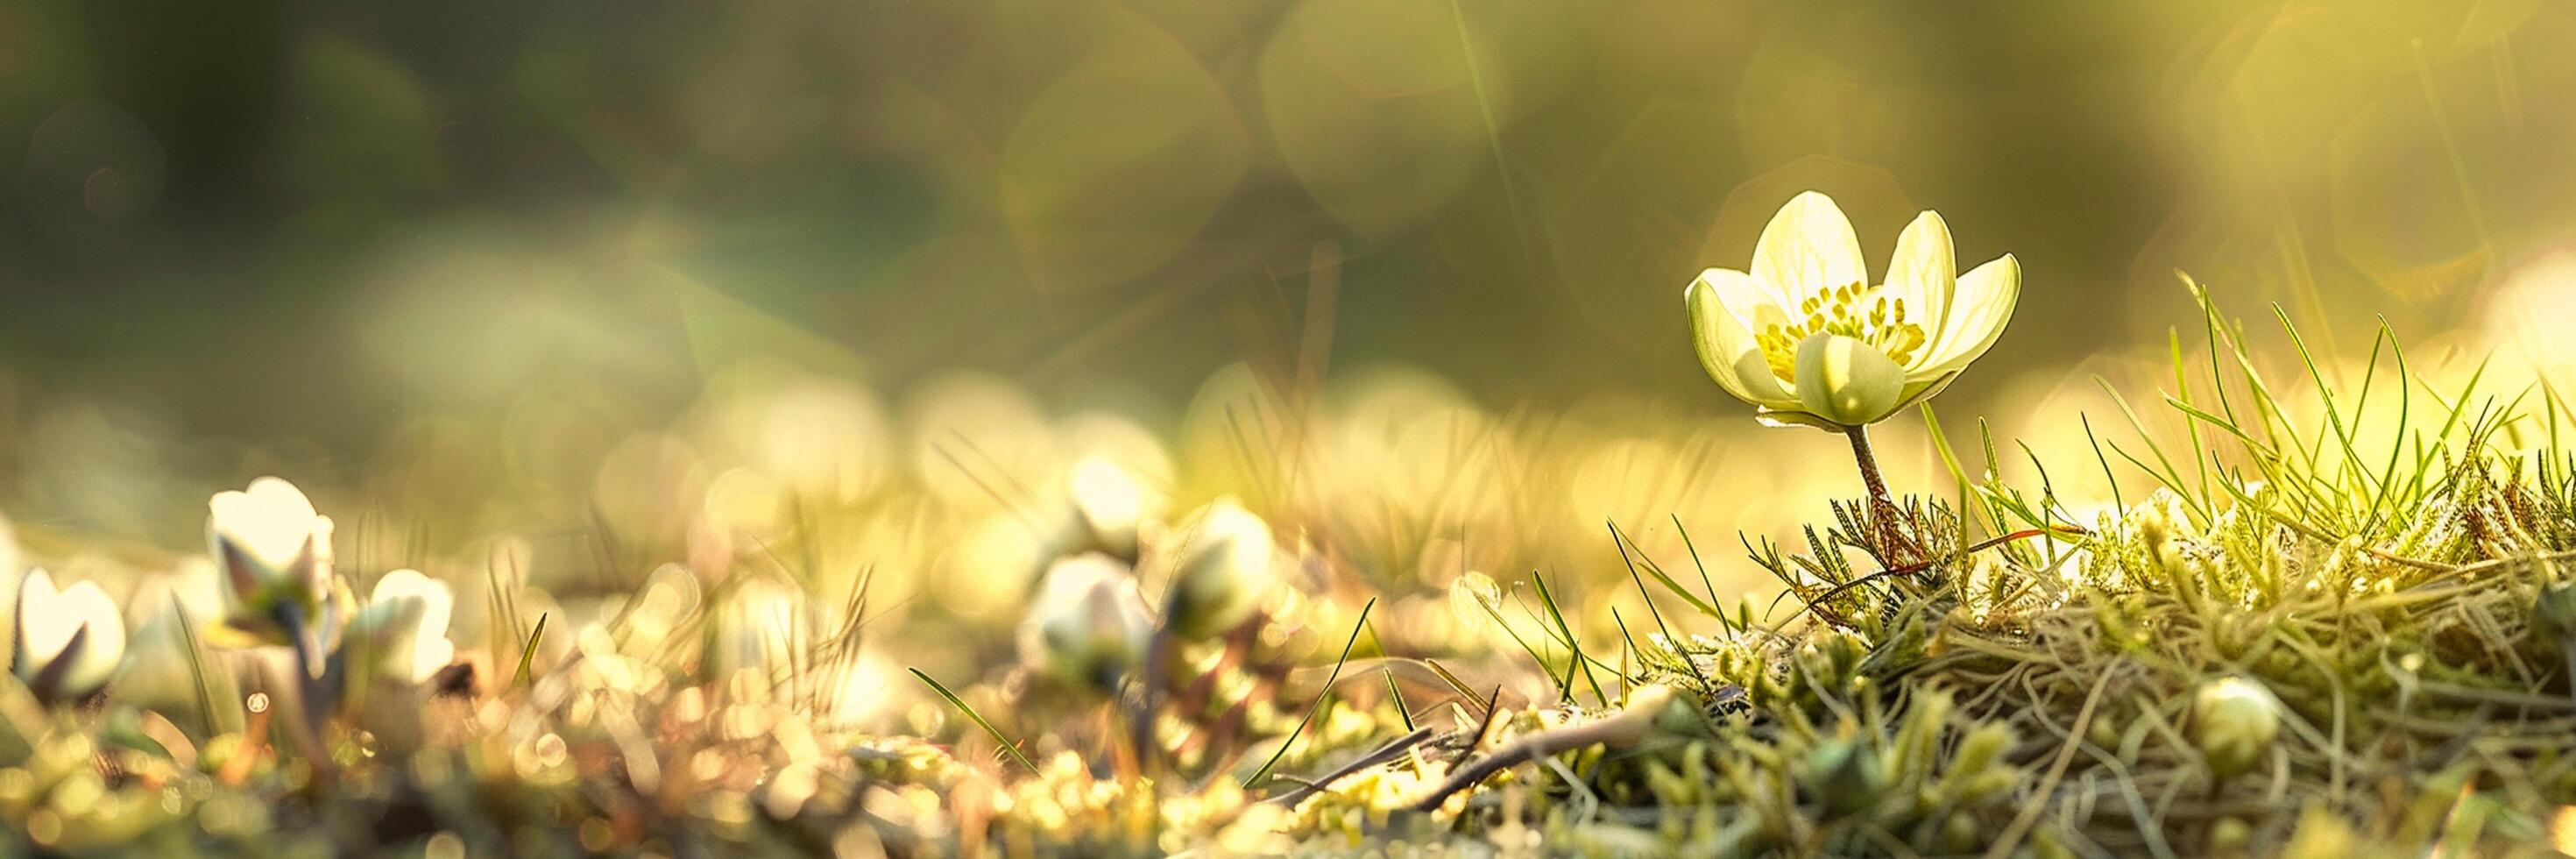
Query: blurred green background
[{"x": 421, "y": 256}]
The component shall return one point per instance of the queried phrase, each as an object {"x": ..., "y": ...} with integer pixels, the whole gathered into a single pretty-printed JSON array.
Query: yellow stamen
[{"x": 1880, "y": 322}]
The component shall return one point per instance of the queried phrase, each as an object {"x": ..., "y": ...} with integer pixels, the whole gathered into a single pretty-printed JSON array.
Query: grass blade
[
  {"x": 980, "y": 722},
  {"x": 196, "y": 667},
  {"x": 1311, "y": 710},
  {"x": 1395, "y": 694},
  {"x": 528, "y": 654}
]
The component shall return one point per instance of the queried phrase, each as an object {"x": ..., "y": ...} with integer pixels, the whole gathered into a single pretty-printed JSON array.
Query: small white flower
[
  {"x": 8, "y": 596},
  {"x": 405, "y": 621},
  {"x": 269, "y": 543},
  {"x": 275, "y": 555},
  {"x": 1107, "y": 508},
  {"x": 1087, "y": 624},
  {"x": 70, "y": 641},
  {"x": 1224, "y": 567},
  {"x": 1805, "y": 337}
]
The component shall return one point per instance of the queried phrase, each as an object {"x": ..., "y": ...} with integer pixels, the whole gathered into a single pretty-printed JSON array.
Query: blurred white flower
[
  {"x": 275, "y": 554},
  {"x": 1108, "y": 506},
  {"x": 70, "y": 640},
  {"x": 1223, "y": 569},
  {"x": 9, "y": 566},
  {"x": 269, "y": 529},
  {"x": 405, "y": 622},
  {"x": 1087, "y": 624},
  {"x": 1805, "y": 337}
]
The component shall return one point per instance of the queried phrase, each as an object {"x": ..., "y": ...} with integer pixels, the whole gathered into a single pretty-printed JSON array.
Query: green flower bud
[
  {"x": 2233, "y": 721},
  {"x": 1960, "y": 834},
  {"x": 2229, "y": 835},
  {"x": 1983, "y": 747}
]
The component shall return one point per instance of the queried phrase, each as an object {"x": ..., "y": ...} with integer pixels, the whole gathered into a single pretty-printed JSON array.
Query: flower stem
[
  {"x": 1882, "y": 506},
  {"x": 1869, "y": 467}
]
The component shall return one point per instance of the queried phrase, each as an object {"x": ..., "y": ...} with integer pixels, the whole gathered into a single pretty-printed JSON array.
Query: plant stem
[
  {"x": 1893, "y": 547},
  {"x": 1869, "y": 469},
  {"x": 1149, "y": 688},
  {"x": 1883, "y": 506}
]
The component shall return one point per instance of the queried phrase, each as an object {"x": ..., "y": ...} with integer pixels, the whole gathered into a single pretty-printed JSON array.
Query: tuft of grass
[{"x": 2385, "y": 587}]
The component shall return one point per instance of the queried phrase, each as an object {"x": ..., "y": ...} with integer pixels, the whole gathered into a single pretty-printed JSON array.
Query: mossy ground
[{"x": 1978, "y": 671}]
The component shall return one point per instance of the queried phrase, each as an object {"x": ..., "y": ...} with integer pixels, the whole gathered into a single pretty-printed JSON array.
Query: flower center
[{"x": 1852, "y": 310}]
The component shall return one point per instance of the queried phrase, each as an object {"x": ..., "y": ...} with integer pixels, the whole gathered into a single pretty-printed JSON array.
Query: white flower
[
  {"x": 1087, "y": 624},
  {"x": 70, "y": 641},
  {"x": 405, "y": 621},
  {"x": 275, "y": 554},
  {"x": 1805, "y": 337},
  {"x": 1107, "y": 507},
  {"x": 8, "y": 596},
  {"x": 1225, "y": 565},
  {"x": 269, "y": 543}
]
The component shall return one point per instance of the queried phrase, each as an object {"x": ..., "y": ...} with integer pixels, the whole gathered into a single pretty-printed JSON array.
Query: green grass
[{"x": 2385, "y": 597}]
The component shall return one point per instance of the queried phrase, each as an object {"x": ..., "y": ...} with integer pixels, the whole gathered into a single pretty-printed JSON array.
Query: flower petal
[
  {"x": 1924, "y": 273},
  {"x": 51, "y": 621},
  {"x": 437, "y": 599},
  {"x": 1985, "y": 301},
  {"x": 103, "y": 649},
  {"x": 407, "y": 614},
  {"x": 43, "y": 627},
  {"x": 1771, "y": 417},
  {"x": 1919, "y": 388},
  {"x": 269, "y": 521},
  {"x": 1808, "y": 246},
  {"x": 1844, "y": 380},
  {"x": 1718, "y": 302},
  {"x": 268, "y": 536}
]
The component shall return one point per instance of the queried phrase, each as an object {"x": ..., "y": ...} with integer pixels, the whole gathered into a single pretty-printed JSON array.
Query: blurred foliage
[{"x": 1070, "y": 192}]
